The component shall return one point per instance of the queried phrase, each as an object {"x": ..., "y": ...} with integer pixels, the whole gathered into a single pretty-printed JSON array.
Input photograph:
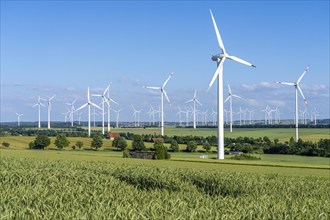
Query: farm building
[{"x": 113, "y": 135}]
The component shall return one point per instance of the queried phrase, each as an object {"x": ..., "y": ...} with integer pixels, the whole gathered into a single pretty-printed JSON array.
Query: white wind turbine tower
[
  {"x": 163, "y": 92},
  {"x": 230, "y": 97},
  {"x": 79, "y": 118},
  {"x": 117, "y": 116},
  {"x": 194, "y": 100},
  {"x": 72, "y": 110},
  {"x": 296, "y": 86},
  {"x": 220, "y": 59},
  {"x": 104, "y": 99},
  {"x": 39, "y": 104},
  {"x": 49, "y": 107},
  {"x": 315, "y": 113},
  {"x": 18, "y": 119},
  {"x": 89, "y": 103},
  {"x": 136, "y": 115}
]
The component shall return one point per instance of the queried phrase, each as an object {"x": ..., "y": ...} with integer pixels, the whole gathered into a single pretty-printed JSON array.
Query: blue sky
[{"x": 62, "y": 47}]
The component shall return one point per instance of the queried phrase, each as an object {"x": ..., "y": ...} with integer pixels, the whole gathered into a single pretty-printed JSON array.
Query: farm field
[
  {"x": 283, "y": 134},
  {"x": 49, "y": 187},
  {"x": 293, "y": 165}
]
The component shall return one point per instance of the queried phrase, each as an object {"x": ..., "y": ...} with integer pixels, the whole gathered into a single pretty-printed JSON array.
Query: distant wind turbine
[
  {"x": 89, "y": 103},
  {"x": 72, "y": 110},
  {"x": 194, "y": 100},
  {"x": 296, "y": 86},
  {"x": 49, "y": 106},
  {"x": 18, "y": 119},
  {"x": 109, "y": 100},
  {"x": 39, "y": 104},
  {"x": 136, "y": 115},
  {"x": 117, "y": 116},
  {"x": 163, "y": 92},
  {"x": 230, "y": 95},
  {"x": 104, "y": 99},
  {"x": 220, "y": 59}
]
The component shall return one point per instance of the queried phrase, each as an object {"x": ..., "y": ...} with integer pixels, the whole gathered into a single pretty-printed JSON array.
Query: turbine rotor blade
[
  {"x": 240, "y": 61},
  {"x": 189, "y": 100},
  {"x": 83, "y": 106},
  {"x": 286, "y": 83},
  {"x": 52, "y": 97},
  {"x": 164, "y": 92},
  {"x": 217, "y": 72},
  {"x": 167, "y": 80},
  {"x": 152, "y": 87},
  {"x": 302, "y": 94},
  {"x": 105, "y": 91},
  {"x": 237, "y": 96},
  {"x": 198, "y": 102},
  {"x": 229, "y": 88},
  {"x": 95, "y": 105},
  {"x": 302, "y": 75},
  {"x": 218, "y": 34},
  {"x": 88, "y": 99},
  {"x": 114, "y": 101},
  {"x": 226, "y": 100},
  {"x": 74, "y": 101}
]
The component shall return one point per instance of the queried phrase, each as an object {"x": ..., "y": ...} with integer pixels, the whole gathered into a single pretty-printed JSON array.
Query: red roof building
[{"x": 113, "y": 135}]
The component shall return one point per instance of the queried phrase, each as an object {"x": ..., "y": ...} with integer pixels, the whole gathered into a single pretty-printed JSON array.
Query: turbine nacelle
[{"x": 218, "y": 57}]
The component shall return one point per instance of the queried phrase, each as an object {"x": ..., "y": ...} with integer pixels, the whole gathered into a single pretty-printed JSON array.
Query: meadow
[
  {"x": 50, "y": 188},
  {"x": 283, "y": 134}
]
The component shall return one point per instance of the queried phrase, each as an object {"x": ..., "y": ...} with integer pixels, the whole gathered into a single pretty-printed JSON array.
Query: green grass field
[{"x": 283, "y": 134}]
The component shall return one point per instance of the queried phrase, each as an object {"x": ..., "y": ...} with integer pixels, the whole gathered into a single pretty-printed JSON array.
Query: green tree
[
  {"x": 138, "y": 143},
  {"x": 191, "y": 146},
  {"x": 120, "y": 143},
  {"x": 174, "y": 145},
  {"x": 61, "y": 141},
  {"x": 41, "y": 142},
  {"x": 207, "y": 146},
  {"x": 97, "y": 141},
  {"x": 160, "y": 150},
  {"x": 292, "y": 143},
  {"x": 79, "y": 144}
]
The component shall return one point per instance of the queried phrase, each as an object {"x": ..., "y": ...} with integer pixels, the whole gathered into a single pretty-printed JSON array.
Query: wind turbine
[
  {"x": 49, "y": 107},
  {"x": 89, "y": 103},
  {"x": 136, "y": 115},
  {"x": 72, "y": 110},
  {"x": 214, "y": 115},
  {"x": 117, "y": 116},
  {"x": 18, "y": 119},
  {"x": 39, "y": 104},
  {"x": 109, "y": 100},
  {"x": 230, "y": 97},
  {"x": 180, "y": 117},
  {"x": 194, "y": 100},
  {"x": 220, "y": 59},
  {"x": 315, "y": 113},
  {"x": 104, "y": 99},
  {"x": 296, "y": 86},
  {"x": 163, "y": 92}
]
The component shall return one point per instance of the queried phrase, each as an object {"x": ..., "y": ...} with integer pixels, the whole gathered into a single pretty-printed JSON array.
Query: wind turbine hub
[{"x": 218, "y": 57}]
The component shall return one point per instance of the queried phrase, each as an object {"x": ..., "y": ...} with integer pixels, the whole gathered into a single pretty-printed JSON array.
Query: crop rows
[{"x": 49, "y": 189}]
